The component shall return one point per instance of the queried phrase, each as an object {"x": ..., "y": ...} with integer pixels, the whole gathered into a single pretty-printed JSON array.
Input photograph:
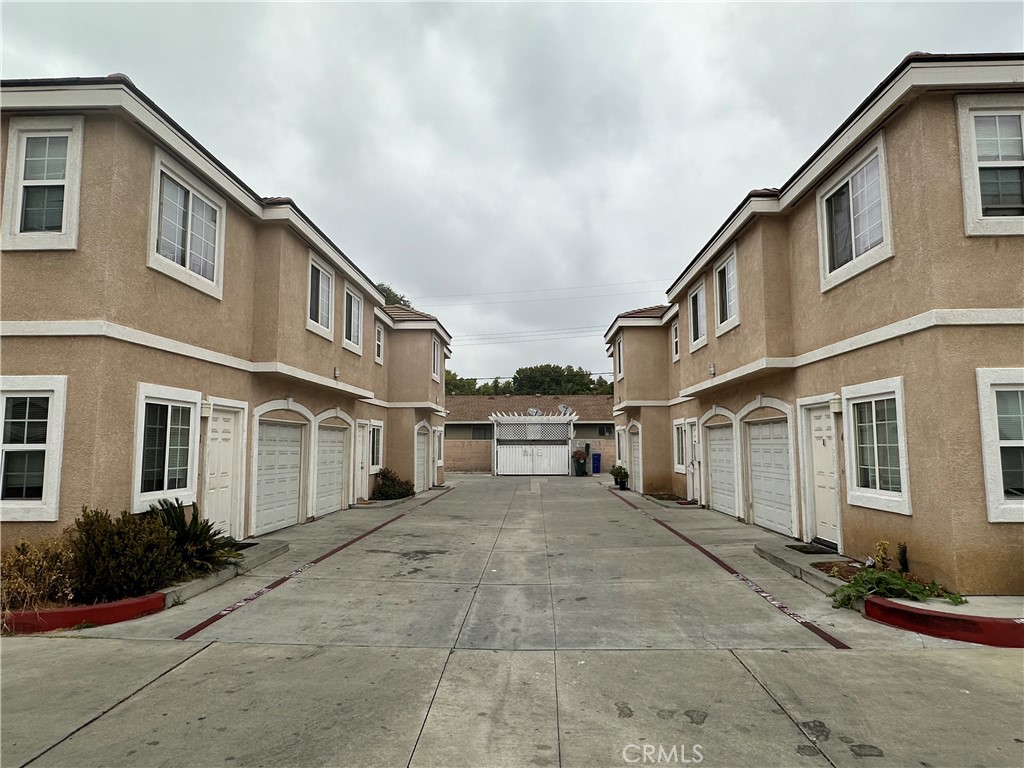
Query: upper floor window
[
  {"x": 41, "y": 188},
  {"x": 727, "y": 305},
  {"x": 353, "y": 321},
  {"x": 32, "y": 408},
  {"x": 1001, "y": 410},
  {"x": 992, "y": 163},
  {"x": 618, "y": 357},
  {"x": 698, "y": 315},
  {"x": 435, "y": 365},
  {"x": 187, "y": 228},
  {"x": 675, "y": 340},
  {"x": 321, "y": 297},
  {"x": 378, "y": 343},
  {"x": 853, "y": 216}
]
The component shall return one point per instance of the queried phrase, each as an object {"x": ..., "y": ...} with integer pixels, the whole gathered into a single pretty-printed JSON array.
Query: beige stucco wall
[{"x": 647, "y": 356}]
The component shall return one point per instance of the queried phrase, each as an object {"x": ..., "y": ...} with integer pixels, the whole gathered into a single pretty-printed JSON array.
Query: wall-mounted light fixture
[
  {"x": 835, "y": 405},
  {"x": 711, "y": 369},
  {"x": 337, "y": 372},
  {"x": 205, "y": 409}
]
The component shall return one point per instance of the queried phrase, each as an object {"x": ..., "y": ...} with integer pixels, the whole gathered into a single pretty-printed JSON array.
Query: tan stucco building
[
  {"x": 844, "y": 360},
  {"x": 166, "y": 332}
]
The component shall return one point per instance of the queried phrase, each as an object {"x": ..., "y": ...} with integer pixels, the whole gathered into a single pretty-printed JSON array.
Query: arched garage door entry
[
  {"x": 281, "y": 464},
  {"x": 533, "y": 443}
]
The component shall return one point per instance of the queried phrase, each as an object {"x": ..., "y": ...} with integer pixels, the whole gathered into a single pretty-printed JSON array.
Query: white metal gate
[{"x": 532, "y": 444}]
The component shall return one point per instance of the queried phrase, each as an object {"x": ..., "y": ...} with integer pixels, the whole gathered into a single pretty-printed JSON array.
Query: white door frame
[
  {"x": 803, "y": 405},
  {"x": 747, "y": 498},
  {"x": 692, "y": 437},
  {"x": 236, "y": 520},
  {"x": 306, "y": 455},
  {"x": 361, "y": 461}
]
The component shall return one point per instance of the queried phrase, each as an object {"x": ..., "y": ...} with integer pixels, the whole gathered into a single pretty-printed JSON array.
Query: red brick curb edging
[
  {"x": 987, "y": 630},
  {"x": 99, "y": 614}
]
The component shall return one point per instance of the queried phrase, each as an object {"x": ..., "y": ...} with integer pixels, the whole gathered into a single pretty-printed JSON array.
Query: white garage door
[
  {"x": 330, "y": 470},
  {"x": 278, "y": 477},
  {"x": 421, "y": 460},
  {"x": 769, "y": 476},
  {"x": 722, "y": 465}
]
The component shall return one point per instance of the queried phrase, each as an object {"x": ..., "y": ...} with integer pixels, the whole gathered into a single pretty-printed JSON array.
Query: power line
[
  {"x": 552, "y": 298},
  {"x": 509, "y": 378},
  {"x": 535, "y": 290},
  {"x": 528, "y": 333},
  {"x": 523, "y": 341}
]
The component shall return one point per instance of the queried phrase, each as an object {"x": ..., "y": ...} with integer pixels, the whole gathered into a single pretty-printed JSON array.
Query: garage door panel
[
  {"x": 330, "y": 472},
  {"x": 722, "y": 469},
  {"x": 278, "y": 478},
  {"x": 770, "y": 476}
]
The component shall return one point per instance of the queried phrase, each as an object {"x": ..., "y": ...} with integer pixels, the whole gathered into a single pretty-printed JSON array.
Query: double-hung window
[
  {"x": 187, "y": 228},
  {"x": 353, "y": 321},
  {"x": 675, "y": 340},
  {"x": 679, "y": 446},
  {"x": 1001, "y": 410},
  {"x": 376, "y": 446},
  {"x": 435, "y": 365},
  {"x": 727, "y": 304},
  {"x": 854, "y": 232},
  {"x": 321, "y": 297},
  {"x": 41, "y": 189},
  {"x": 876, "y": 449},
  {"x": 698, "y": 314},
  {"x": 378, "y": 344},
  {"x": 32, "y": 408},
  {"x": 992, "y": 162},
  {"x": 167, "y": 441}
]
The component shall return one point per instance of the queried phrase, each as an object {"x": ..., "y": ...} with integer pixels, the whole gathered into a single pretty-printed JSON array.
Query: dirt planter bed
[{"x": 76, "y": 615}]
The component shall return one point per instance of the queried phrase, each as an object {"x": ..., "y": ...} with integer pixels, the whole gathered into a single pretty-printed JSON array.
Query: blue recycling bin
[{"x": 596, "y": 459}]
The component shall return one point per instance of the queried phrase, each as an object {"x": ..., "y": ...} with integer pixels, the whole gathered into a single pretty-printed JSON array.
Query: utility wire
[
  {"x": 512, "y": 334},
  {"x": 551, "y": 298},
  {"x": 534, "y": 290}
]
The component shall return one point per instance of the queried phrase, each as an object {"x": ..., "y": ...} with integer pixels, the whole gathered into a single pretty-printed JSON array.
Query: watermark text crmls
[{"x": 653, "y": 754}]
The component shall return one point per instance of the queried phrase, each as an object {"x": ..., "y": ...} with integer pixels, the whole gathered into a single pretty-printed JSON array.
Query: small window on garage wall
[{"x": 376, "y": 446}]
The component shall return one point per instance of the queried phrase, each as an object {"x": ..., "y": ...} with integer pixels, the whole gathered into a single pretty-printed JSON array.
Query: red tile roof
[{"x": 480, "y": 407}]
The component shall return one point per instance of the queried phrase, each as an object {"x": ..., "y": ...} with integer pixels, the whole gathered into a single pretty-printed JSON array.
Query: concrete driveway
[{"x": 510, "y": 622}]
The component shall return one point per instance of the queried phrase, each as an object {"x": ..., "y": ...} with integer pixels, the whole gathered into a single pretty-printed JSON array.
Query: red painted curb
[
  {"x": 99, "y": 614},
  {"x": 987, "y": 630}
]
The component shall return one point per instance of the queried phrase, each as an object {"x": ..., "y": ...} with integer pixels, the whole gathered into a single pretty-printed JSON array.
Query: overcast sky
[{"x": 479, "y": 156}]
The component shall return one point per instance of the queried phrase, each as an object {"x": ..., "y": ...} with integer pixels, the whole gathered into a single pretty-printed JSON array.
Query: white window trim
[
  {"x": 45, "y": 509},
  {"x": 378, "y": 343},
  {"x": 1000, "y": 509},
  {"x": 171, "y": 396},
  {"x": 887, "y": 501},
  {"x": 619, "y": 349},
  {"x": 967, "y": 106},
  {"x": 327, "y": 331},
  {"x": 678, "y": 424},
  {"x": 357, "y": 345},
  {"x": 732, "y": 322},
  {"x": 375, "y": 425},
  {"x": 435, "y": 360},
  {"x": 21, "y": 128},
  {"x": 674, "y": 340},
  {"x": 164, "y": 163},
  {"x": 702, "y": 341},
  {"x": 874, "y": 256},
  {"x": 439, "y": 445}
]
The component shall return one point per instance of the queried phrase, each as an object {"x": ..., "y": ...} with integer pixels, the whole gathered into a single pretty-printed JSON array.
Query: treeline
[{"x": 533, "y": 380}]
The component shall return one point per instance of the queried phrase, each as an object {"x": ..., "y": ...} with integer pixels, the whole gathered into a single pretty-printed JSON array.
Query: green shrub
[
  {"x": 121, "y": 557},
  {"x": 203, "y": 548},
  {"x": 391, "y": 486},
  {"x": 37, "y": 575},
  {"x": 872, "y": 581}
]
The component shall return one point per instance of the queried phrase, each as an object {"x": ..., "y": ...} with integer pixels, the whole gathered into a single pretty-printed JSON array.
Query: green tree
[
  {"x": 391, "y": 296},
  {"x": 551, "y": 379},
  {"x": 456, "y": 385}
]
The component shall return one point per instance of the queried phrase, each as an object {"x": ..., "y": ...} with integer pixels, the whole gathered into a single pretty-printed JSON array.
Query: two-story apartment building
[
  {"x": 844, "y": 360},
  {"x": 166, "y": 332}
]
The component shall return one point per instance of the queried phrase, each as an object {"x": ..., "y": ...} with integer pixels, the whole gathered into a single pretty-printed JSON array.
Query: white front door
[
  {"x": 692, "y": 461},
  {"x": 635, "y": 481},
  {"x": 823, "y": 475},
  {"x": 278, "y": 477},
  {"x": 722, "y": 470},
  {"x": 422, "y": 451},
  {"x": 362, "y": 462},
  {"x": 222, "y": 503},
  {"x": 330, "y": 470},
  {"x": 770, "y": 476}
]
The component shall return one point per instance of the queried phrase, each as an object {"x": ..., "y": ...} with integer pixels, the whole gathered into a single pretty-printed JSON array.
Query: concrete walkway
[{"x": 511, "y": 622}]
